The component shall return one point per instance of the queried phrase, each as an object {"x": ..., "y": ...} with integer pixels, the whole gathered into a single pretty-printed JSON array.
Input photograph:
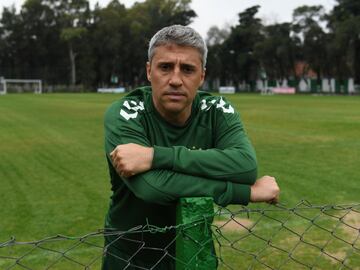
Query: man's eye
[
  {"x": 188, "y": 69},
  {"x": 165, "y": 67}
]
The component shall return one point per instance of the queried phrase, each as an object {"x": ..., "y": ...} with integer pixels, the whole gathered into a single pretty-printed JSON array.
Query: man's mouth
[{"x": 175, "y": 95}]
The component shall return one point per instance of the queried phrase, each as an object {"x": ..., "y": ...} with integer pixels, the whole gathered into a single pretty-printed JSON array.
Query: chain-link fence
[{"x": 257, "y": 237}]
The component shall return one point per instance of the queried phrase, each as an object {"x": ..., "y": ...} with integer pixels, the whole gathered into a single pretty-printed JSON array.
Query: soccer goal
[{"x": 20, "y": 86}]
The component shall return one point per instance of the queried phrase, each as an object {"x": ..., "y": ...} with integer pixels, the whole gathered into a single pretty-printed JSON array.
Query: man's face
[{"x": 175, "y": 73}]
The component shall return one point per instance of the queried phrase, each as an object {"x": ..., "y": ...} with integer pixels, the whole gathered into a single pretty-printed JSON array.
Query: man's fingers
[
  {"x": 130, "y": 159},
  {"x": 116, "y": 161},
  {"x": 275, "y": 200},
  {"x": 125, "y": 174},
  {"x": 265, "y": 189}
]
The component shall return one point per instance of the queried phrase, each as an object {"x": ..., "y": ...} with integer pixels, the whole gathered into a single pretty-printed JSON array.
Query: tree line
[{"x": 65, "y": 42}]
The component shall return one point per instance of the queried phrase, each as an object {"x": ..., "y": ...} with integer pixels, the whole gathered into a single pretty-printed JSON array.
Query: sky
[{"x": 223, "y": 13}]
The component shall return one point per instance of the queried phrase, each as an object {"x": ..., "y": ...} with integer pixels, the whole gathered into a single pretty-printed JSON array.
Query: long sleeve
[
  {"x": 163, "y": 186},
  {"x": 232, "y": 158}
]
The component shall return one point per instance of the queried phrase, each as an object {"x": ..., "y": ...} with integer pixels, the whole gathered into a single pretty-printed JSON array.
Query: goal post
[{"x": 4, "y": 84}]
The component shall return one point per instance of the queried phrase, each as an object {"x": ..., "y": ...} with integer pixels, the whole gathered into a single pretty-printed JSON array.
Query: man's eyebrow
[
  {"x": 171, "y": 63},
  {"x": 165, "y": 62},
  {"x": 188, "y": 65}
]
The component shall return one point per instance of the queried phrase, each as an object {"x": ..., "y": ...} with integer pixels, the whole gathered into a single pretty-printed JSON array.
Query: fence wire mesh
[{"x": 305, "y": 236}]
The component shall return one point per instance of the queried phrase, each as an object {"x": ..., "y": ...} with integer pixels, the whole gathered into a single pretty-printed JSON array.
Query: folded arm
[
  {"x": 232, "y": 157},
  {"x": 164, "y": 187},
  {"x": 130, "y": 155}
]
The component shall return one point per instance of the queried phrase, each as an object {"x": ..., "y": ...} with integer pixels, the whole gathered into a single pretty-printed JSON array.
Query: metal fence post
[{"x": 194, "y": 243}]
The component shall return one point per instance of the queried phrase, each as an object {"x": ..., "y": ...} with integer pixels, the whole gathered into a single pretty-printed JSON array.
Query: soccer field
[{"x": 54, "y": 178}]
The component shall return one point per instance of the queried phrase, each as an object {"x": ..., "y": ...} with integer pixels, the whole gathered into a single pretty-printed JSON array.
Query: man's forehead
[{"x": 169, "y": 51}]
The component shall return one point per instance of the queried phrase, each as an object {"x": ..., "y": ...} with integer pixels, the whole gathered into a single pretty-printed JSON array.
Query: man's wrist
[
  {"x": 163, "y": 157},
  {"x": 151, "y": 157},
  {"x": 241, "y": 193}
]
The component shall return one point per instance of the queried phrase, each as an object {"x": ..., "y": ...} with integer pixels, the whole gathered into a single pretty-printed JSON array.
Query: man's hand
[
  {"x": 130, "y": 159},
  {"x": 265, "y": 189}
]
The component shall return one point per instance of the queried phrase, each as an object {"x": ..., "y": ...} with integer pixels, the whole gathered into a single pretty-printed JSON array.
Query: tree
[
  {"x": 216, "y": 36},
  {"x": 344, "y": 22},
  {"x": 36, "y": 32},
  {"x": 306, "y": 23},
  {"x": 30, "y": 35},
  {"x": 215, "y": 39},
  {"x": 238, "y": 49},
  {"x": 110, "y": 38},
  {"x": 277, "y": 51},
  {"x": 10, "y": 40},
  {"x": 73, "y": 17},
  {"x": 71, "y": 35}
]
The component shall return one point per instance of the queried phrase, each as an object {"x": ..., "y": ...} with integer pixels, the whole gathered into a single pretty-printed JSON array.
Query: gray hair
[{"x": 179, "y": 35}]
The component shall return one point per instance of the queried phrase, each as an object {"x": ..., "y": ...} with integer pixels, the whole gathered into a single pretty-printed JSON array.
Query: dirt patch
[
  {"x": 234, "y": 224},
  {"x": 352, "y": 223},
  {"x": 348, "y": 231}
]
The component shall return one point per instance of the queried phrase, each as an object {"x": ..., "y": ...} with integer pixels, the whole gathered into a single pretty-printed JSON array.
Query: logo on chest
[{"x": 131, "y": 108}]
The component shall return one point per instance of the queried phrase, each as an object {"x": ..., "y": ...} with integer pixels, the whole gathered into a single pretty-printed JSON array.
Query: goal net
[{"x": 20, "y": 86}]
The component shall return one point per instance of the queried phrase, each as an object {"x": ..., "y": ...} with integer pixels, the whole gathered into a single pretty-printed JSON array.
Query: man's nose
[{"x": 176, "y": 80}]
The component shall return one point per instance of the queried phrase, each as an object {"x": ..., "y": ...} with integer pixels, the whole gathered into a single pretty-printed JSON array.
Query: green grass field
[{"x": 54, "y": 178}]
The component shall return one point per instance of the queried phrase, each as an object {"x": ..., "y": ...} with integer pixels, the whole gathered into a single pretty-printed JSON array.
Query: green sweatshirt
[{"x": 210, "y": 156}]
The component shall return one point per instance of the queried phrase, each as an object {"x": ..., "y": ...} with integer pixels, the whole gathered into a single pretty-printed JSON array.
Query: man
[{"x": 170, "y": 141}]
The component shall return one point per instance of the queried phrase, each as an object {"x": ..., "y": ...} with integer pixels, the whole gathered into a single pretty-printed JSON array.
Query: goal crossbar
[{"x": 4, "y": 82}]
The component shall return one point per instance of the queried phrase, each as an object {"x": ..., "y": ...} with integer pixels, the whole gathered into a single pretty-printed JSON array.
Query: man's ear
[{"x": 148, "y": 71}]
